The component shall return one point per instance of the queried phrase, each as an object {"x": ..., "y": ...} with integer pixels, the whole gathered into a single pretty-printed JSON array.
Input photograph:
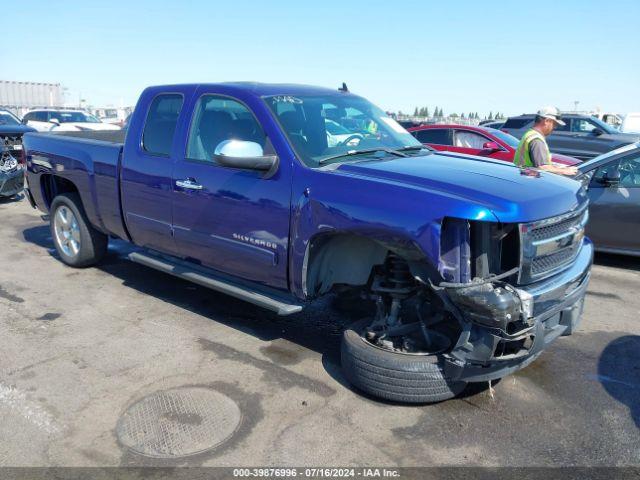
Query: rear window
[
  {"x": 437, "y": 136},
  {"x": 517, "y": 122},
  {"x": 160, "y": 124}
]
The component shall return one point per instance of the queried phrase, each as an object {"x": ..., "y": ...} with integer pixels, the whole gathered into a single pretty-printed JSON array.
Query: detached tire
[
  {"x": 394, "y": 376},
  {"x": 77, "y": 242}
]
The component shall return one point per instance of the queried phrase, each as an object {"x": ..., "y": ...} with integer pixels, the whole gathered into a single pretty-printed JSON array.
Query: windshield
[
  {"x": 589, "y": 165},
  {"x": 321, "y": 127},
  {"x": 74, "y": 117},
  {"x": 603, "y": 125},
  {"x": 505, "y": 137},
  {"x": 6, "y": 118}
]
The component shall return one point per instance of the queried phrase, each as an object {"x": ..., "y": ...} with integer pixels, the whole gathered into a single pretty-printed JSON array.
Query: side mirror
[
  {"x": 597, "y": 131},
  {"x": 245, "y": 155},
  {"x": 493, "y": 146},
  {"x": 55, "y": 121},
  {"x": 611, "y": 179}
]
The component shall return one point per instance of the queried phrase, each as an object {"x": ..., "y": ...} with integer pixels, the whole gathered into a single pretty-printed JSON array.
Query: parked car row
[
  {"x": 480, "y": 141},
  {"x": 65, "y": 121},
  {"x": 583, "y": 136}
]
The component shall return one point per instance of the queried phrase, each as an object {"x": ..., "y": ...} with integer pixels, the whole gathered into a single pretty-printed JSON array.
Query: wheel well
[
  {"x": 53, "y": 185},
  {"x": 348, "y": 259}
]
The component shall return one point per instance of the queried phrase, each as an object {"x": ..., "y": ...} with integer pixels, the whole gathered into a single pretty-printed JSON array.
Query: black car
[
  {"x": 614, "y": 196},
  {"x": 11, "y": 171},
  {"x": 583, "y": 136}
]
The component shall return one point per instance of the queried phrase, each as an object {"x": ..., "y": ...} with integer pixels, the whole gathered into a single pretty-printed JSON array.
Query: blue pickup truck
[{"x": 279, "y": 194}]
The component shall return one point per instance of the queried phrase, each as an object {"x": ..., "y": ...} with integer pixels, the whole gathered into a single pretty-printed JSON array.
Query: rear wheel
[{"x": 77, "y": 242}]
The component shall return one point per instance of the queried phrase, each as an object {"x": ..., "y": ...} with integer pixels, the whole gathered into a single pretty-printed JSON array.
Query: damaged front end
[
  {"x": 482, "y": 312},
  {"x": 522, "y": 287},
  {"x": 11, "y": 166}
]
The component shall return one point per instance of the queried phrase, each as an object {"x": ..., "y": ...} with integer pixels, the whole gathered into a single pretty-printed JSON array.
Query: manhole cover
[{"x": 178, "y": 422}]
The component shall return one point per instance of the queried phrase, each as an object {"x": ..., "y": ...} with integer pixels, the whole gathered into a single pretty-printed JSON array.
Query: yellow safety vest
[{"x": 522, "y": 157}]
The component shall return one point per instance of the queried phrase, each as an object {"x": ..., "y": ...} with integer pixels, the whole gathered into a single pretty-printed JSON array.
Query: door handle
[{"x": 189, "y": 183}]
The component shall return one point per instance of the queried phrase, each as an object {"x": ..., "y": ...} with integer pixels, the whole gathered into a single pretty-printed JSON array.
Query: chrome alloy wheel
[{"x": 67, "y": 231}]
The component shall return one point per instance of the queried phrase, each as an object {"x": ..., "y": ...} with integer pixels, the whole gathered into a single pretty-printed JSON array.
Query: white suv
[{"x": 65, "y": 121}]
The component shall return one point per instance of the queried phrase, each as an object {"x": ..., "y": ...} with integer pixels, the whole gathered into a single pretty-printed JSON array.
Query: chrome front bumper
[{"x": 557, "y": 308}]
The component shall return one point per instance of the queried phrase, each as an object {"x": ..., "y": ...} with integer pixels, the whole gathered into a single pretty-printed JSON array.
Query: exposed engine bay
[{"x": 11, "y": 171}]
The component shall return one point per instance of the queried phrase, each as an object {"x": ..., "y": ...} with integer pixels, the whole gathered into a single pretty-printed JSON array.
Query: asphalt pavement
[{"x": 82, "y": 352}]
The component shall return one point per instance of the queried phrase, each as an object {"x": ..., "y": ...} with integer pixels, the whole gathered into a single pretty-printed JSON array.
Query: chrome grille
[
  {"x": 555, "y": 229},
  {"x": 550, "y": 245},
  {"x": 540, "y": 265}
]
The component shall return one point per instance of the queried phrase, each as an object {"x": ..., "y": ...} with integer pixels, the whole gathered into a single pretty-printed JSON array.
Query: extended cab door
[
  {"x": 147, "y": 166},
  {"x": 230, "y": 219}
]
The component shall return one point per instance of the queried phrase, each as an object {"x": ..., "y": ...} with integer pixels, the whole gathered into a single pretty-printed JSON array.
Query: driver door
[
  {"x": 232, "y": 220},
  {"x": 614, "y": 211}
]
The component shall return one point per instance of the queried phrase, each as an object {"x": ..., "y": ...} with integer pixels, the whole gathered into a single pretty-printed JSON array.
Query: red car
[{"x": 481, "y": 141}]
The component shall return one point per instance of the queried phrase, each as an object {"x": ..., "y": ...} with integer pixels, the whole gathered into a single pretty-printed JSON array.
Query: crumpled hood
[
  {"x": 15, "y": 129},
  {"x": 496, "y": 185}
]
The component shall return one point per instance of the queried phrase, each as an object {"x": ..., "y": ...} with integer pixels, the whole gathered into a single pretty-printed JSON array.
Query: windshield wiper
[
  {"x": 351, "y": 153},
  {"x": 409, "y": 148}
]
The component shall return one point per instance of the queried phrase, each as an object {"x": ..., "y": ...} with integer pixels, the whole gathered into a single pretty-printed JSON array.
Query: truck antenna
[{"x": 344, "y": 87}]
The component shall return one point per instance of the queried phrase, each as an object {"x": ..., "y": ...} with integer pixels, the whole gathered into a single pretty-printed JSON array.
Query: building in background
[{"x": 20, "y": 97}]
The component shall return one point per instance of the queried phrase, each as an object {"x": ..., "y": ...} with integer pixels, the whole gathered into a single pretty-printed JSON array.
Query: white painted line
[{"x": 16, "y": 400}]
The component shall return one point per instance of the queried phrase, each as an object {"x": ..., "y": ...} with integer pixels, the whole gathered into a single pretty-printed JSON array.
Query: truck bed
[
  {"x": 90, "y": 161},
  {"x": 111, "y": 136}
]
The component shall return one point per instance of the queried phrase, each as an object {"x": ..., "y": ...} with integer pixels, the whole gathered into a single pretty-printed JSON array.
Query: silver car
[{"x": 614, "y": 195}]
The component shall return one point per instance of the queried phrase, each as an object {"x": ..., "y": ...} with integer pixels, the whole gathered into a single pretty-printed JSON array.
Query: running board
[{"x": 185, "y": 271}]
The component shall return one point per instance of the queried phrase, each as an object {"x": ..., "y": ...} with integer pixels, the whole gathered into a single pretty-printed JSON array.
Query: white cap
[{"x": 551, "y": 113}]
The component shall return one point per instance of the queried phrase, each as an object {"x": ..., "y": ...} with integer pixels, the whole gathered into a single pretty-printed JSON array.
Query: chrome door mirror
[{"x": 245, "y": 155}]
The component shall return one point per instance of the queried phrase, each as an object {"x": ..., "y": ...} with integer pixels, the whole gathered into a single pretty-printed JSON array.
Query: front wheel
[
  {"x": 407, "y": 378},
  {"x": 77, "y": 242}
]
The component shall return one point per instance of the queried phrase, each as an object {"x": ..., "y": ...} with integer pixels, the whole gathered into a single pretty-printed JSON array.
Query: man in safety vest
[{"x": 533, "y": 150}]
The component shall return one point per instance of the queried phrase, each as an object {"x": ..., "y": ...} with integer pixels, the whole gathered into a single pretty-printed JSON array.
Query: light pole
[{"x": 575, "y": 105}]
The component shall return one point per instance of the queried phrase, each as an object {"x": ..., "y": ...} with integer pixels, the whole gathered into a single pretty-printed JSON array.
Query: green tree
[
  {"x": 415, "y": 112},
  {"x": 426, "y": 111},
  {"x": 490, "y": 117}
]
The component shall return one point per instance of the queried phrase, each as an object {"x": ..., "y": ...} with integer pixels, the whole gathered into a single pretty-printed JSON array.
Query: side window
[
  {"x": 27, "y": 117},
  {"x": 568, "y": 122},
  {"x": 466, "y": 139},
  {"x": 437, "y": 136},
  {"x": 517, "y": 123},
  {"x": 628, "y": 168},
  {"x": 160, "y": 124},
  {"x": 38, "y": 116},
  {"x": 581, "y": 125},
  {"x": 217, "y": 119}
]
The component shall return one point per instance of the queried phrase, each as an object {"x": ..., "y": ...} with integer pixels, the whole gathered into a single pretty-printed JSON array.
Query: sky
[{"x": 463, "y": 56}]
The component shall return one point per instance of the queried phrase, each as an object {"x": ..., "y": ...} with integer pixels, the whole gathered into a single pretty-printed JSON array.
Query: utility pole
[{"x": 575, "y": 105}]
